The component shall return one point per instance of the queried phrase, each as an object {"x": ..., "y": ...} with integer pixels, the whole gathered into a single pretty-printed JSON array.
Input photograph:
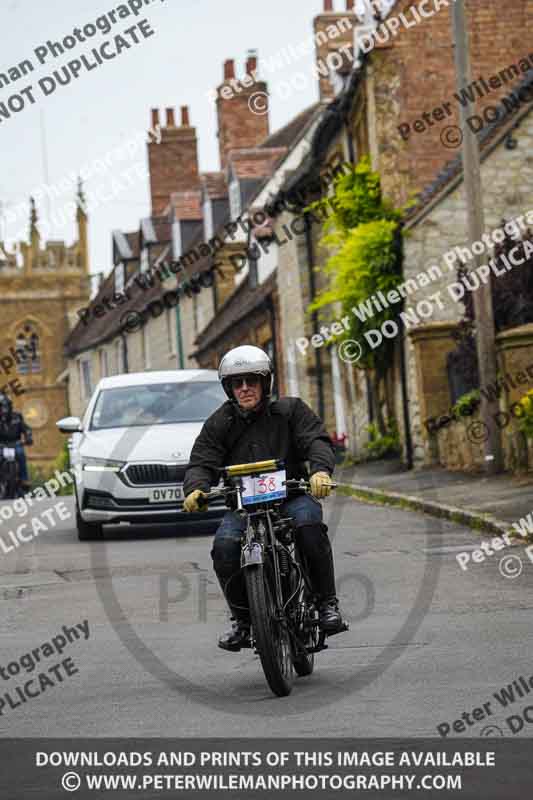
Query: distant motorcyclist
[
  {"x": 14, "y": 432},
  {"x": 251, "y": 427}
]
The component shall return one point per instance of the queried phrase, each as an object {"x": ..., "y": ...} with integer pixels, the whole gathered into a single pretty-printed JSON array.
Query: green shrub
[
  {"x": 38, "y": 476},
  {"x": 383, "y": 446},
  {"x": 525, "y": 423},
  {"x": 467, "y": 404}
]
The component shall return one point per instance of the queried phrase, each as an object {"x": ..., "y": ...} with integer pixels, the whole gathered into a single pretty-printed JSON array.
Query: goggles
[{"x": 237, "y": 381}]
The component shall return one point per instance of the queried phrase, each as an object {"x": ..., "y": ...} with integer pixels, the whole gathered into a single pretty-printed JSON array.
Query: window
[
  {"x": 145, "y": 260},
  {"x": 120, "y": 356},
  {"x": 176, "y": 240},
  {"x": 104, "y": 364},
  {"x": 157, "y": 404},
  {"x": 146, "y": 347},
  {"x": 208, "y": 219},
  {"x": 235, "y": 199},
  {"x": 195, "y": 312},
  {"x": 85, "y": 377},
  {"x": 119, "y": 278},
  {"x": 171, "y": 331},
  {"x": 28, "y": 351}
]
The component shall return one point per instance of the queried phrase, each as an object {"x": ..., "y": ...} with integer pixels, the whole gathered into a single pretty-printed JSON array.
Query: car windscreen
[{"x": 156, "y": 404}]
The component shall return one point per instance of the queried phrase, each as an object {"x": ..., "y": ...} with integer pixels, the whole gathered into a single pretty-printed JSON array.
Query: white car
[{"x": 131, "y": 450}]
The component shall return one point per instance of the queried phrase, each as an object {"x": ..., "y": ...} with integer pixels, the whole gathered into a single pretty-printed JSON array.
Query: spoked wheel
[
  {"x": 8, "y": 483},
  {"x": 270, "y": 635},
  {"x": 306, "y": 632}
]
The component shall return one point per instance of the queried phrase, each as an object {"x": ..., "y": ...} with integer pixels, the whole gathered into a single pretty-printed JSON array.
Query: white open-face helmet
[{"x": 246, "y": 360}]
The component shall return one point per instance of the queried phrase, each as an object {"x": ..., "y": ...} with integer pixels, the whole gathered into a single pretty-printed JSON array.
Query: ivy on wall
[{"x": 364, "y": 236}]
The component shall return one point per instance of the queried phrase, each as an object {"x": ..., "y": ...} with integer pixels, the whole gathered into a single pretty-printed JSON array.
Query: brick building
[{"x": 41, "y": 287}]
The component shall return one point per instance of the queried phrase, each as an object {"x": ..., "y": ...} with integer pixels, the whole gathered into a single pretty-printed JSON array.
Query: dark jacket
[
  {"x": 13, "y": 428},
  {"x": 284, "y": 429}
]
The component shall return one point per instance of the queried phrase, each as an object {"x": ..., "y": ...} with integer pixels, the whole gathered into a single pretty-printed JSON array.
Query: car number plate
[
  {"x": 165, "y": 494},
  {"x": 8, "y": 453},
  {"x": 264, "y": 487}
]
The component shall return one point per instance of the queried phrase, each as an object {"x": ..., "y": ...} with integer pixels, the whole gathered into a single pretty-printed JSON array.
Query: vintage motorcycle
[{"x": 285, "y": 628}]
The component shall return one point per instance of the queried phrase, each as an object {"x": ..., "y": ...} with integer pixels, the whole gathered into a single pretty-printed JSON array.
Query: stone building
[
  {"x": 41, "y": 288},
  {"x": 412, "y": 117},
  {"x": 437, "y": 225}
]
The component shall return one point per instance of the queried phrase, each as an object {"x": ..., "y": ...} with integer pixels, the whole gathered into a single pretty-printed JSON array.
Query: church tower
[{"x": 41, "y": 287}]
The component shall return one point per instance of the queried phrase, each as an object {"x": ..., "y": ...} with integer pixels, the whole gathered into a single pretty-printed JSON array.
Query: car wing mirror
[{"x": 70, "y": 425}]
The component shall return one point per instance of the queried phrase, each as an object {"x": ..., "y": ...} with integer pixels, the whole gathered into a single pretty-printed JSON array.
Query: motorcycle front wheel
[{"x": 269, "y": 633}]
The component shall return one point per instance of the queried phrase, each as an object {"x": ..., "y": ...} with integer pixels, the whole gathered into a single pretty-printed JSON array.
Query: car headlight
[{"x": 101, "y": 465}]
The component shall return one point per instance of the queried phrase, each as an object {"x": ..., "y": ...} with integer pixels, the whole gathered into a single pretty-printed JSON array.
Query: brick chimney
[
  {"x": 242, "y": 109},
  {"x": 333, "y": 30},
  {"x": 174, "y": 161}
]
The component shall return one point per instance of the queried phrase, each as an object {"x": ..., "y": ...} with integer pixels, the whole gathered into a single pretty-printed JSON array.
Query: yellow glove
[
  {"x": 193, "y": 501},
  {"x": 320, "y": 484}
]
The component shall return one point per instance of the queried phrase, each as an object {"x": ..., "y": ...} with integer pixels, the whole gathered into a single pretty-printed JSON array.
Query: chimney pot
[
  {"x": 328, "y": 5},
  {"x": 229, "y": 69},
  {"x": 185, "y": 121},
  {"x": 155, "y": 117},
  {"x": 251, "y": 64},
  {"x": 171, "y": 123}
]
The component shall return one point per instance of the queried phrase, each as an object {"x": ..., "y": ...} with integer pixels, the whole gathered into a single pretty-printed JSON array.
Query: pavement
[{"x": 489, "y": 503}]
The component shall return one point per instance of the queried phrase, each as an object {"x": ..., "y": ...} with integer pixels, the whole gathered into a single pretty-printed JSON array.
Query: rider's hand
[
  {"x": 193, "y": 501},
  {"x": 320, "y": 484}
]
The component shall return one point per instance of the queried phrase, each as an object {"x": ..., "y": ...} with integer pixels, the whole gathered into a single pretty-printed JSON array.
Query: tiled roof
[
  {"x": 255, "y": 162},
  {"x": 242, "y": 302},
  {"x": 491, "y": 135},
  {"x": 287, "y": 135}
]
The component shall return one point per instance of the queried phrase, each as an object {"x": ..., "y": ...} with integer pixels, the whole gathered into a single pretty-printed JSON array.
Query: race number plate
[
  {"x": 8, "y": 453},
  {"x": 261, "y": 488},
  {"x": 165, "y": 494}
]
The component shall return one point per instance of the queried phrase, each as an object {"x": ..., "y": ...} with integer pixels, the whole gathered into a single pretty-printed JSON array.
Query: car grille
[{"x": 156, "y": 474}]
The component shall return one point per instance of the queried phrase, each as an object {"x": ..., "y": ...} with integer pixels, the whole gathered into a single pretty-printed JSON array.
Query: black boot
[
  {"x": 237, "y": 637},
  {"x": 314, "y": 544},
  {"x": 330, "y": 616},
  {"x": 232, "y": 583}
]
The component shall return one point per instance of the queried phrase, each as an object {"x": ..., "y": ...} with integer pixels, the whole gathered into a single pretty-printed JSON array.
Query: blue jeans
[
  {"x": 20, "y": 455},
  {"x": 226, "y": 551}
]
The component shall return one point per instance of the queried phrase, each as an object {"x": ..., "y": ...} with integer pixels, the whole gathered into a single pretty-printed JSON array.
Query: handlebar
[
  {"x": 294, "y": 483},
  {"x": 290, "y": 483}
]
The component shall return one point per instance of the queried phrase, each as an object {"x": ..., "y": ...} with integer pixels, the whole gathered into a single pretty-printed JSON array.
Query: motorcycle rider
[
  {"x": 12, "y": 430},
  {"x": 251, "y": 427}
]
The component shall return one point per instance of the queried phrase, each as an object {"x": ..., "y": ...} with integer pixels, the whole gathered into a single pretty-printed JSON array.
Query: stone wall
[{"x": 459, "y": 444}]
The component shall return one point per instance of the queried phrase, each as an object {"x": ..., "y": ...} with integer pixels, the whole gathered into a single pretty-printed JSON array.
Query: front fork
[{"x": 257, "y": 538}]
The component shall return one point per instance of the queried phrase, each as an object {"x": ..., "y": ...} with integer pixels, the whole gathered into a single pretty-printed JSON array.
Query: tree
[{"x": 363, "y": 234}]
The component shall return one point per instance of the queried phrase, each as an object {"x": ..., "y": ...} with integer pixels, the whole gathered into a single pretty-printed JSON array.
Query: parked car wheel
[{"x": 88, "y": 531}]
